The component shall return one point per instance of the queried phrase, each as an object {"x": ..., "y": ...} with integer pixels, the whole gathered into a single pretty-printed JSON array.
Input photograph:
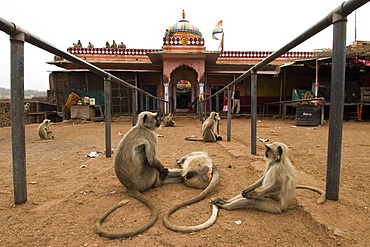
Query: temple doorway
[
  {"x": 183, "y": 95},
  {"x": 184, "y": 88}
]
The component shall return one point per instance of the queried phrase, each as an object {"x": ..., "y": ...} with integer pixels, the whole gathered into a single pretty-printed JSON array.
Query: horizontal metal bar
[
  {"x": 12, "y": 29},
  {"x": 295, "y": 100},
  {"x": 344, "y": 9}
]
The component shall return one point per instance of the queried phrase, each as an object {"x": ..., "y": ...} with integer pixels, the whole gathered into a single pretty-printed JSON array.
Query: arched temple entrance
[{"x": 184, "y": 88}]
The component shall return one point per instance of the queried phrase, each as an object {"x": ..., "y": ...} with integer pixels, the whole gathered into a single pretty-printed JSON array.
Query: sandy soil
[{"x": 67, "y": 190}]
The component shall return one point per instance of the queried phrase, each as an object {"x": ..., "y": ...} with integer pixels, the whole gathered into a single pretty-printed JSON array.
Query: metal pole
[
  {"x": 107, "y": 116},
  {"x": 217, "y": 103},
  {"x": 254, "y": 112},
  {"x": 336, "y": 106},
  {"x": 146, "y": 102},
  {"x": 281, "y": 94},
  {"x": 134, "y": 94},
  {"x": 17, "y": 117},
  {"x": 201, "y": 113},
  {"x": 204, "y": 103},
  {"x": 198, "y": 107},
  {"x": 283, "y": 105},
  {"x": 229, "y": 102}
]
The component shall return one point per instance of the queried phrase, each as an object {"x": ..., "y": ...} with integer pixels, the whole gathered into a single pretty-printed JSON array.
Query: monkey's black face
[
  {"x": 157, "y": 122},
  {"x": 215, "y": 116},
  {"x": 267, "y": 152},
  {"x": 190, "y": 175},
  {"x": 150, "y": 121},
  {"x": 273, "y": 154},
  {"x": 204, "y": 174}
]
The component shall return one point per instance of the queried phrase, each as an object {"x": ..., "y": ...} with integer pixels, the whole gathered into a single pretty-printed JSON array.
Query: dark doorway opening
[
  {"x": 183, "y": 95},
  {"x": 220, "y": 98},
  {"x": 152, "y": 89}
]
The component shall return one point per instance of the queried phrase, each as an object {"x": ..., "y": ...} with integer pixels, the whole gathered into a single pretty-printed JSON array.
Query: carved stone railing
[
  {"x": 263, "y": 54},
  {"x": 192, "y": 42},
  {"x": 111, "y": 51},
  {"x": 180, "y": 41}
]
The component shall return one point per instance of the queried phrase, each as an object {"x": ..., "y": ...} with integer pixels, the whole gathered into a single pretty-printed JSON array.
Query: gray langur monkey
[
  {"x": 210, "y": 129},
  {"x": 276, "y": 187},
  {"x": 114, "y": 45},
  {"x": 27, "y": 107},
  {"x": 44, "y": 131},
  {"x": 138, "y": 168},
  {"x": 168, "y": 122},
  {"x": 122, "y": 45},
  {"x": 198, "y": 171}
]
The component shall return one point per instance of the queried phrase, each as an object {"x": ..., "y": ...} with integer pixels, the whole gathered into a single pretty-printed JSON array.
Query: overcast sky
[{"x": 265, "y": 25}]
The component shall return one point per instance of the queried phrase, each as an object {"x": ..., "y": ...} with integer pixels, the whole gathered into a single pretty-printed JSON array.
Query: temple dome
[{"x": 183, "y": 28}]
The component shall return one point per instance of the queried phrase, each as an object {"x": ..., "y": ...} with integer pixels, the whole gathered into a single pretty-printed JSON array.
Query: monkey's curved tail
[
  {"x": 322, "y": 193},
  {"x": 137, "y": 195},
  {"x": 195, "y": 199},
  {"x": 193, "y": 139}
]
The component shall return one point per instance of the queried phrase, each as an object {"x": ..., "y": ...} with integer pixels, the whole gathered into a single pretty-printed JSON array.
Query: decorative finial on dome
[{"x": 183, "y": 14}]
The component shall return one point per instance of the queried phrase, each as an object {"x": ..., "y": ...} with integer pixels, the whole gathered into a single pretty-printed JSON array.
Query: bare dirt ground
[{"x": 67, "y": 191}]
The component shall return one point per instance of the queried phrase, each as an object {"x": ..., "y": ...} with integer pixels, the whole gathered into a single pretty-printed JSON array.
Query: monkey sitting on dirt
[
  {"x": 276, "y": 187},
  {"x": 43, "y": 130},
  {"x": 210, "y": 129},
  {"x": 138, "y": 168},
  {"x": 168, "y": 122},
  {"x": 198, "y": 171}
]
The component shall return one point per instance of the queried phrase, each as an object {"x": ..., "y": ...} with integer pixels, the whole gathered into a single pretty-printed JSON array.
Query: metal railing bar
[
  {"x": 12, "y": 29},
  {"x": 344, "y": 9}
]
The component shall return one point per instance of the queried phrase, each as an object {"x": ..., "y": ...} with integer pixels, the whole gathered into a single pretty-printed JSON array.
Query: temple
[{"x": 181, "y": 71}]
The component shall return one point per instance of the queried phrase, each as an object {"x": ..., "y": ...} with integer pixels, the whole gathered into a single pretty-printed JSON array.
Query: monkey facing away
[
  {"x": 168, "y": 122},
  {"x": 210, "y": 129},
  {"x": 43, "y": 130},
  {"x": 276, "y": 187},
  {"x": 198, "y": 171},
  {"x": 138, "y": 168}
]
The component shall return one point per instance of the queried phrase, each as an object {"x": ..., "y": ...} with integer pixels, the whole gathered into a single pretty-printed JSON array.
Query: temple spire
[{"x": 183, "y": 14}]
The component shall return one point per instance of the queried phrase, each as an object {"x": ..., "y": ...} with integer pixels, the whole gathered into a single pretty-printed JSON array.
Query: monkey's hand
[
  {"x": 163, "y": 174},
  {"x": 218, "y": 201},
  {"x": 250, "y": 194},
  {"x": 246, "y": 191}
]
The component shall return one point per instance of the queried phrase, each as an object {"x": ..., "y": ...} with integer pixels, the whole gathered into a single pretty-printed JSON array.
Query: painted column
[
  {"x": 166, "y": 98},
  {"x": 201, "y": 97},
  {"x": 201, "y": 91}
]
